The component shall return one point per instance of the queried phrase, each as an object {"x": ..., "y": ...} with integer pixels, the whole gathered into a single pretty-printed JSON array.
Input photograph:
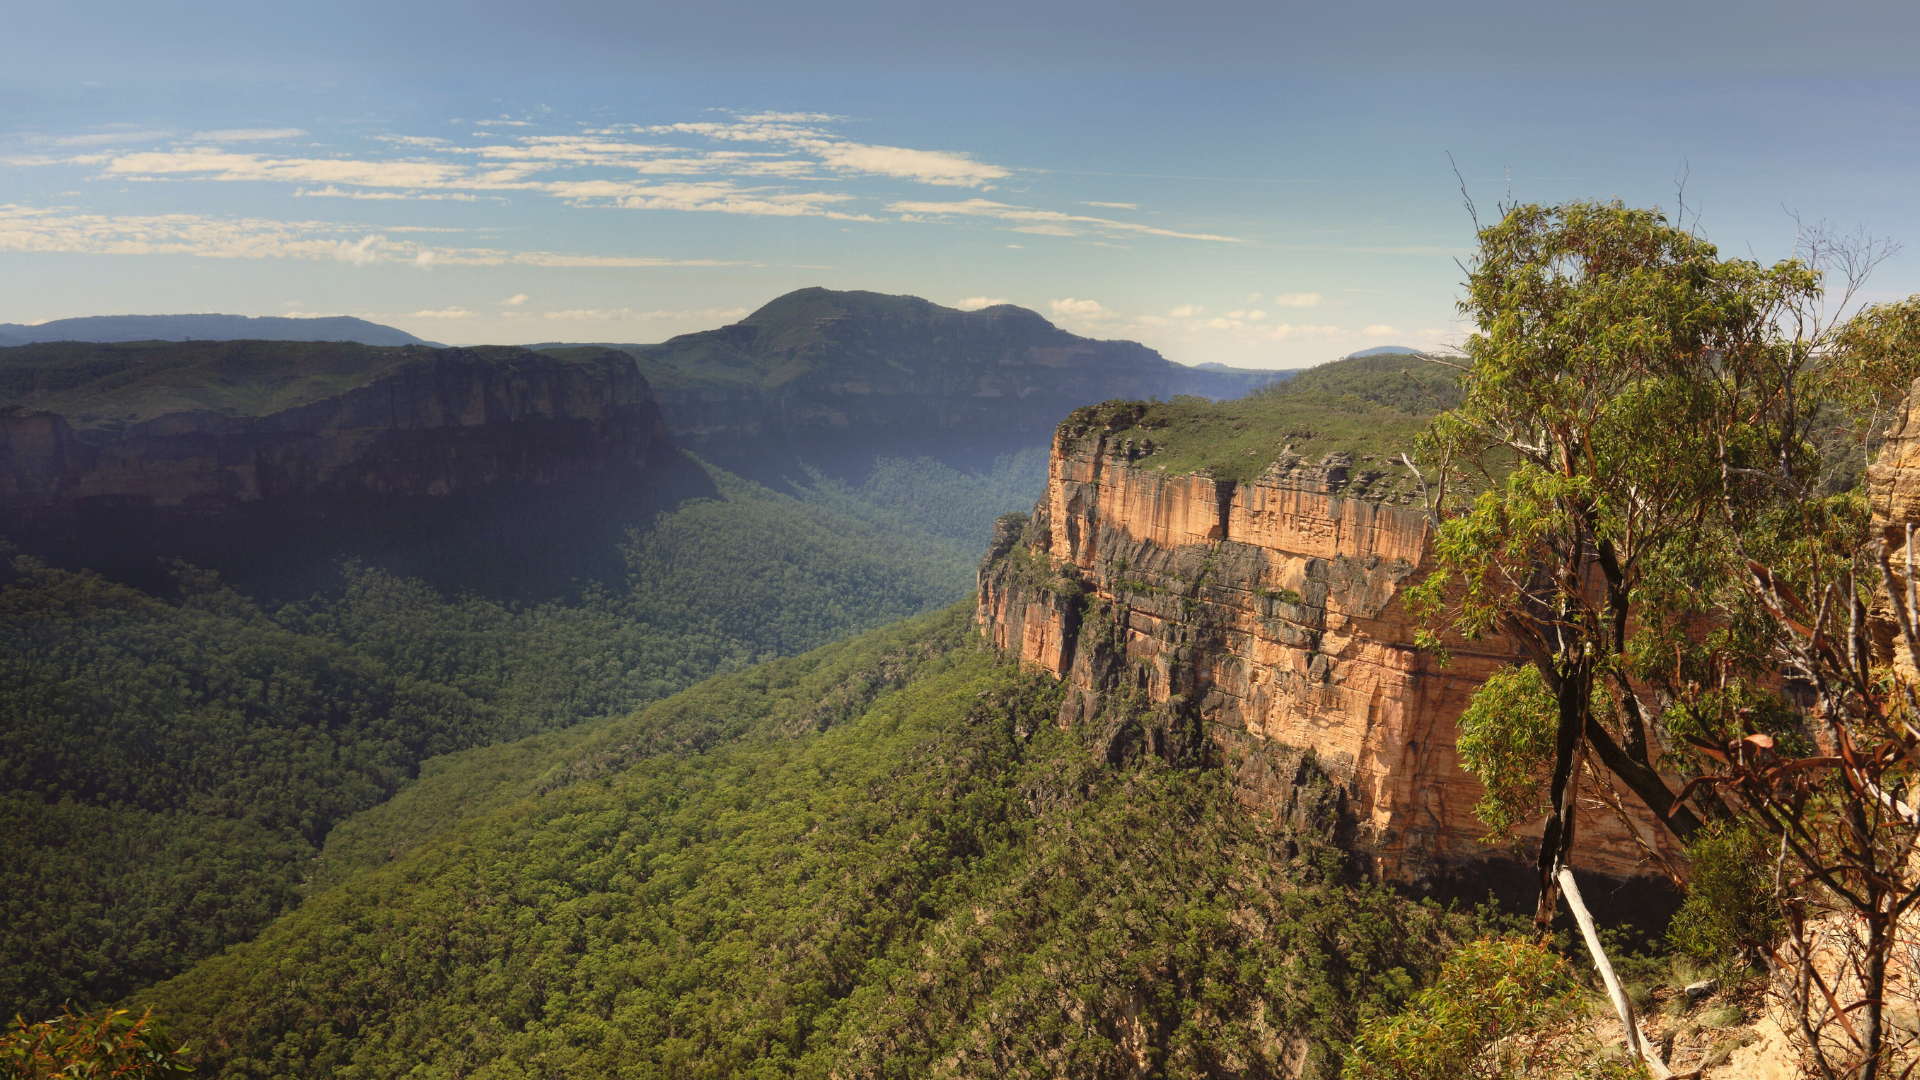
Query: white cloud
[
  {"x": 1054, "y": 222},
  {"x": 515, "y": 300},
  {"x": 1114, "y": 205},
  {"x": 247, "y": 134},
  {"x": 975, "y": 303},
  {"x": 1380, "y": 330},
  {"x": 503, "y": 123},
  {"x": 1250, "y": 316},
  {"x": 1017, "y": 247},
  {"x": 1297, "y": 299},
  {"x": 106, "y": 138},
  {"x": 1283, "y": 331},
  {"x": 926, "y": 166},
  {"x": 39, "y": 229},
  {"x": 225, "y": 165},
  {"x": 625, "y": 314},
  {"x": 1078, "y": 308},
  {"x": 443, "y": 313},
  {"x": 1186, "y": 311}
]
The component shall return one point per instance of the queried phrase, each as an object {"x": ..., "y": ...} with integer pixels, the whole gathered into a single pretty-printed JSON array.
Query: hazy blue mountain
[
  {"x": 207, "y": 327},
  {"x": 1384, "y": 350}
]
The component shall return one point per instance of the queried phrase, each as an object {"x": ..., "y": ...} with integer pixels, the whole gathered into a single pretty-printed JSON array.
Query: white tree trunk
[{"x": 1636, "y": 1044}]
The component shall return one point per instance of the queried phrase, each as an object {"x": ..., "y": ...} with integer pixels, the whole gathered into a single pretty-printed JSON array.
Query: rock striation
[
  {"x": 432, "y": 422},
  {"x": 1264, "y": 623}
]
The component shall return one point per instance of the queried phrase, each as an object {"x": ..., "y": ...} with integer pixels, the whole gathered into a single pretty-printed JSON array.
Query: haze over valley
[{"x": 1048, "y": 541}]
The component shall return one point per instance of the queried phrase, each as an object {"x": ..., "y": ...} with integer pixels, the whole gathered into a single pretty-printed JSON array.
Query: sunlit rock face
[
  {"x": 448, "y": 421},
  {"x": 1265, "y": 624},
  {"x": 1893, "y": 490}
]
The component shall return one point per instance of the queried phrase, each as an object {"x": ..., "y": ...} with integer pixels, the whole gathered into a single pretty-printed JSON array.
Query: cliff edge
[
  {"x": 204, "y": 425},
  {"x": 1262, "y": 618}
]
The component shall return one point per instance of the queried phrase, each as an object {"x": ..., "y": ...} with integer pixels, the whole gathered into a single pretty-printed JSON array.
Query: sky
[{"x": 1263, "y": 185}]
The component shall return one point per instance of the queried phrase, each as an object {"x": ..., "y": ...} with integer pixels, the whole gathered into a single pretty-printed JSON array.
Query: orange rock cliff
[{"x": 1265, "y": 623}]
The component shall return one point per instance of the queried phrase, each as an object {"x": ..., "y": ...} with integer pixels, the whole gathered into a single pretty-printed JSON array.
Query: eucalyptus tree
[{"x": 1602, "y": 401}]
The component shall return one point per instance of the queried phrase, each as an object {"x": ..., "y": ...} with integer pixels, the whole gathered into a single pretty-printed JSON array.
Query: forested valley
[{"x": 173, "y": 762}]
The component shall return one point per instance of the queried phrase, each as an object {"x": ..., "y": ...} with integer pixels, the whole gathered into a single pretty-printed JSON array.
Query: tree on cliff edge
[
  {"x": 1701, "y": 592},
  {"x": 1616, "y": 355},
  {"x": 1610, "y": 394}
]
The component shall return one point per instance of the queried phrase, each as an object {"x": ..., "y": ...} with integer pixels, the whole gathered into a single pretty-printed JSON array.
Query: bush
[
  {"x": 1490, "y": 1014},
  {"x": 1729, "y": 913},
  {"x": 107, "y": 1044}
]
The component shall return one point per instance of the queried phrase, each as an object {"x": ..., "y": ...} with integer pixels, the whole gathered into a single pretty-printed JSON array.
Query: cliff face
[
  {"x": 1265, "y": 623},
  {"x": 434, "y": 423},
  {"x": 1893, "y": 492}
]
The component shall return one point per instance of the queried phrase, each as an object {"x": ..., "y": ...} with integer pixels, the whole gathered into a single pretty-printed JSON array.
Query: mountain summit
[{"x": 818, "y": 363}]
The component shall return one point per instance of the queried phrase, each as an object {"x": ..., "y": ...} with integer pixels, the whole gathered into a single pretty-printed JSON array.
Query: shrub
[
  {"x": 106, "y": 1044},
  {"x": 1729, "y": 913},
  {"x": 1490, "y": 1014}
]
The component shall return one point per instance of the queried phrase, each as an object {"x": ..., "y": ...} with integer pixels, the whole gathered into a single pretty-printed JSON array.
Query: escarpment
[
  {"x": 1265, "y": 622},
  {"x": 271, "y": 460},
  {"x": 437, "y": 422}
]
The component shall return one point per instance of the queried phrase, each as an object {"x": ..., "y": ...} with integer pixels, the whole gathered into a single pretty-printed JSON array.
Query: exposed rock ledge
[{"x": 1265, "y": 623}]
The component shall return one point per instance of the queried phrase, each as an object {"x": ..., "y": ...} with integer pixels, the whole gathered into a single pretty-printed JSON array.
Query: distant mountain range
[
  {"x": 208, "y": 327},
  {"x": 820, "y": 365}
]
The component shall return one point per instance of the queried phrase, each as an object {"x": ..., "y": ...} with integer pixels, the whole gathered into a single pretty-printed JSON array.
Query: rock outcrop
[
  {"x": 1265, "y": 623},
  {"x": 436, "y": 423},
  {"x": 1893, "y": 492}
]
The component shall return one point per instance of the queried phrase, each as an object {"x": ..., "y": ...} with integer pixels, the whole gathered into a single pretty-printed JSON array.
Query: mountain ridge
[{"x": 207, "y": 326}]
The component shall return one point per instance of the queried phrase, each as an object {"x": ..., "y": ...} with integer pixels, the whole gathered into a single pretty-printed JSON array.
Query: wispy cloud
[
  {"x": 1297, "y": 299},
  {"x": 43, "y": 229},
  {"x": 765, "y": 164},
  {"x": 443, "y": 313},
  {"x": 515, "y": 300},
  {"x": 227, "y": 135},
  {"x": 1042, "y": 222},
  {"x": 628, "y": 314},
  {"x": 1073, "y": 308},
  {"x": 975, "y": 303}
]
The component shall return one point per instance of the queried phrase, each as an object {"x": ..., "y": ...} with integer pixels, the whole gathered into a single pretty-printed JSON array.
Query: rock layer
[{"x": 1265, "y": 623}]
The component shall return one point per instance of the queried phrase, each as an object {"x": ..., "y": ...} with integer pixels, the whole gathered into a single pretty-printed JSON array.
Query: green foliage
[
  {"x": 1237, "y": 440},
  {"x": 1730, "y": 912},
  {"x": 1408, "y": 382},
  {"x": 132, "y": 381},
  {"x": 176, "y": 763},
  {"x": 1492, "y": 1013},
  {"x": 111, "y": 1044},
  {"x": 1506, "y": 742},
  {"x": 848, "y": 862}
]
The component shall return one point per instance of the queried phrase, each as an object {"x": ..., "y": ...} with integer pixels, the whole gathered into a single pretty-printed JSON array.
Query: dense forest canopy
[{"x": 171, "y": 764}]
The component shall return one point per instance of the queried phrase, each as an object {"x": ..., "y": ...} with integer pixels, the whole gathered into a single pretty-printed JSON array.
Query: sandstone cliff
[
  {"x": 1264, "y": 622},
  {"x": 407, "y": 422}
]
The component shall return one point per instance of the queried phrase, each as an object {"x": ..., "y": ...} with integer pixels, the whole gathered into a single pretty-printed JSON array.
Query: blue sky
[{"x": 1257, "y": 184}]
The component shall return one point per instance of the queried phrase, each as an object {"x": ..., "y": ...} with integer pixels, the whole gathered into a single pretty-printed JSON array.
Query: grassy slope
[
  {"x": 1371, "y": 407},
  {"x": 855, "y": 863}
]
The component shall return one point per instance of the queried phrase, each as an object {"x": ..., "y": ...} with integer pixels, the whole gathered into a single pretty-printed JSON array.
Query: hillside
[
  {"x": 877, "y": 859},
  {"x": 816, "y": 363},
  {"x": 112, "y": 328}
]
